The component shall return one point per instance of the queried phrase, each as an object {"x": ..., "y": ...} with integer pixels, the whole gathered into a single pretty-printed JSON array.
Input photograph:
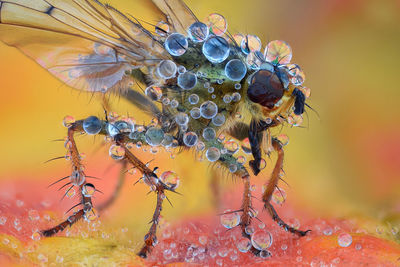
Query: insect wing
[
  {"x": 177, "y": 13},
  {"x": 87, "y": 45}
]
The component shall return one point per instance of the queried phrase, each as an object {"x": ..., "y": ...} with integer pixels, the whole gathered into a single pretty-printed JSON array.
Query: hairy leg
[
  {"x": 77, "y": 179},
  {"x": 270, "y": 187}
]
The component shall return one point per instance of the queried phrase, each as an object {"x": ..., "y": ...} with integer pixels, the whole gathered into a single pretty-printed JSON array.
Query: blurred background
[{"x": 345, "y": 164}]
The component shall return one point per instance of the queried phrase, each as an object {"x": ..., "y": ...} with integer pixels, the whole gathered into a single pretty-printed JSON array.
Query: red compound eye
[{"x": 265, "y": 89}]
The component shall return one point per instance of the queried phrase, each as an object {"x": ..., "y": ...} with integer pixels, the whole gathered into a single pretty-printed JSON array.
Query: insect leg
[
  {"x": 158, "y": 187},
  {"x": 86, "y": 190},
  {"x": 227, "y": 160},
  {"x": 270, "y": 187},
  {"x": 255, "y": 137}
]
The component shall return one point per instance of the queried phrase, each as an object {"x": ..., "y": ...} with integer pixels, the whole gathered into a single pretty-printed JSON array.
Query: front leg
[
  {"x": 270, "y": 187},
  {"x": 255, "y": 130}
]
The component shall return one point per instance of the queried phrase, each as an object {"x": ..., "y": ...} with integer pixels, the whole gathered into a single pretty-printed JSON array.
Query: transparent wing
[
  {"x": 177, "y": 13},
  {"x": 84, "y": 43}
]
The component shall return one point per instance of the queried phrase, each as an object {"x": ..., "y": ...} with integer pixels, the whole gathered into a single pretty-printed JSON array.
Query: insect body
[{"x": 207, "y": 90}]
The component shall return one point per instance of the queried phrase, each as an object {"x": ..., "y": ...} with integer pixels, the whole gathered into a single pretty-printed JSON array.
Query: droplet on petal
[
  {"x": 230, "y": 219},
  {"x": 344, "y": 240},
  {"x": 261, "y": 239}
]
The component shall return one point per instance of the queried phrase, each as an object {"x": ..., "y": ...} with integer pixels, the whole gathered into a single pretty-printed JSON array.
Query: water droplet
[
  {"x": 243, "y": 245},
  {"x": 88, "y": 190},
  {"x": 200, "y": 146},
  {"x": 233, "y": 168},
  {"x": 176, "y": 44},
  {"x": 195, "y": 113},
  {"x": 236, "y": 97},
  {"x": 193, "y": 99},
  {"x": 70, "y": 192},
  {"x": 227, "y": 98},
  {"x": 284, "y": 247},
  {"x": 119, "y": 127},
  {"x": 198, "y": 32},
  {"x": 116, "y": 152},
  {"x": 154, "y": 136},
  {"x": 190, "y": 139},
  {"x": 344, "y": 240},
  {"x": 77, "y": 178},
  {"x": 153, "y": 92},
  {"x": 295, "y": 120},
  {"x": 170, "y": 179},
  {"x": 279, "y": 196},
  {"x": 254, "y": 60},
  {"x": 208, "y": 109},
  {"x": 187, "y": 80},
  {"x": 181, "y": 69},
  {"x": 249, "y": 230},
  {"x": 230, "y": 219},
  {"x": 250, "y": 43},
  {"x": 181, "y": 118},
  {"x": 36, "y": 236},
  {"x": 238, "y": 86},
  {"x": 241, "y": 160},
  {"x": 210, "y": 90},
  {"x": 174, "y": 103},
  {"x": 278, "y": 52},
  {"x": 297, "y": 75},
  {"x": 327, "y": 231},
  {"x": 3, "y": 220},
  {"x": 68, "y": 121},
  {"x": 232, "y": 146},
  {"x": 92, "y": 125},
  {"x": 165, "y": 101},
  {"x": 209, "y": 134},
  {"x": 90, "y": 214},
  {"x": 283, "y": 139},
  {"x": 217, "y": 24},
  {"x": 162, "y": 28},
  {"x": 218, "y": 120},
  {"x": 358, "y": 246},
  {"x": 166, "y": 69},
  {"x": 235, "y": 70},
  {"x": 261, "y": 239},
  {"x": 216, "y": 49},
  {"x": 213, "y": 154},
  {"x": 33, "y": 215}
]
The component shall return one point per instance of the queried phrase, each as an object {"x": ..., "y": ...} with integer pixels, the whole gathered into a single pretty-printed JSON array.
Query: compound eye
[{"x": 265, "y": 88}]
